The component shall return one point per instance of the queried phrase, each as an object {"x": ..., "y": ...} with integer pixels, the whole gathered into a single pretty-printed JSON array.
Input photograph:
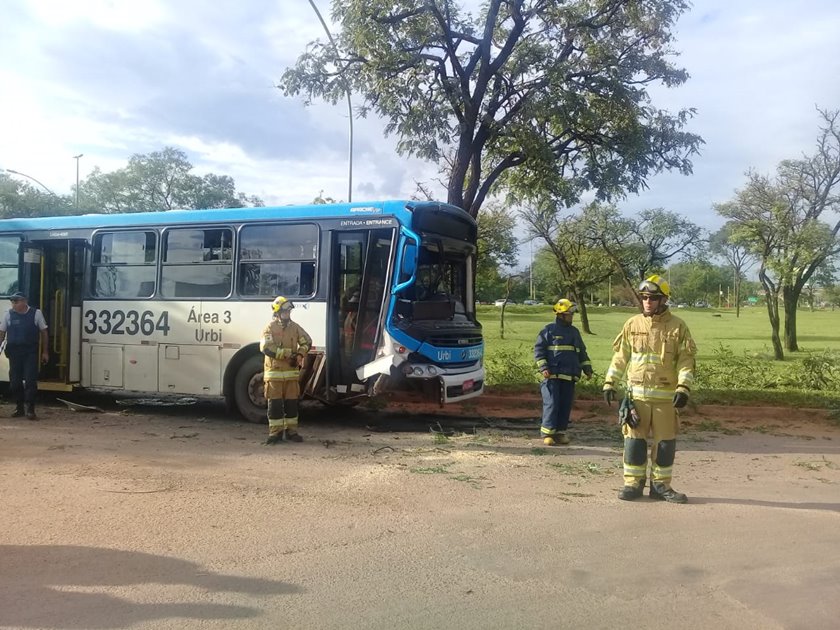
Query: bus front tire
[{"x": 248, "y": 390}]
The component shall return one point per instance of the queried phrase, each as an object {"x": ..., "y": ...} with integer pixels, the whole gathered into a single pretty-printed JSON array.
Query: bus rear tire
[{"x": 248, "y": 391}]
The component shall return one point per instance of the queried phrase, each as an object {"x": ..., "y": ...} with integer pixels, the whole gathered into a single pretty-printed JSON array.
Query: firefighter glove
[
  {"x": 627, "y": 413},
  {"x": 680, "y": 400},
  {"x": 609, "y": 395},
  {"x": 588, "y": 372}
]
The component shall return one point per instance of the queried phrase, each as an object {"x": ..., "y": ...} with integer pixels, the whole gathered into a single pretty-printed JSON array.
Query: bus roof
[{"x": 402, "y": 209}]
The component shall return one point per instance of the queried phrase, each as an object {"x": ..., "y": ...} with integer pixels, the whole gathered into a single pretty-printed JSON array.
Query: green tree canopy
[
  {"x": 781, "y": 220},
  {"x": 582, "y": 266},
  {"x": 497, "y": 248},
  {"x": 161, "y": 180},
  {"x": 641, "y": 245},
  {"x": 20, "y": 199},
  {"x": 525, "y": 95}
]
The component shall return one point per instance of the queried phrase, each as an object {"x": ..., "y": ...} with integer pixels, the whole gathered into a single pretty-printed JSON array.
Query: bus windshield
[{"x": 441, "y": 280}]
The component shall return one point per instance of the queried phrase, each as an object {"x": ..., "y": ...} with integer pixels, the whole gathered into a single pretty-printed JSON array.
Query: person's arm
[
  {"x": 540, "y": 353},
  {"x": 41, "y": 323},
  {"x": 45, "y": 346},
  {"x": 304, "y": 346},
  {"x": 269, "y": 346}
]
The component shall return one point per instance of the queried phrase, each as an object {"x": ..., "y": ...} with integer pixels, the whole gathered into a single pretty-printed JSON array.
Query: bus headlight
[
  {"x": 407, "y": 369},
  {"x": 432, "y": 370},
  {"x": 418, "y": 371}
]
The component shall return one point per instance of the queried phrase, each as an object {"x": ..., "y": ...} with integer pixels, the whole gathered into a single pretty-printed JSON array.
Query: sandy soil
[{"x": 177, "y": 517}]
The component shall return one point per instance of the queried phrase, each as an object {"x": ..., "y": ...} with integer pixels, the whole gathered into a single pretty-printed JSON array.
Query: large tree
[
  {"x": 641, "y": 245},
  {"x": 581, "y": 266},
  {"x": 722, "y": 243},
  {"x": 547, "y": 95},
  {"x": 161, "y": 180},
  {"x": 782, "y": 219},
  {"x": 21, "y": 199},
  {"x": 497, "y": 248}
]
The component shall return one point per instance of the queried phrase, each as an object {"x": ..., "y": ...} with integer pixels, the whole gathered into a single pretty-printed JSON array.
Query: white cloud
[{"x": 111, "y": 78}]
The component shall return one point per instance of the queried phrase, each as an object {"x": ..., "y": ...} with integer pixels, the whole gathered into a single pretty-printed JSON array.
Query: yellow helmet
[
  {"x": 565, "y": 306},
  {"x": 655, "y": 285},
  {"x": 281, "y": 303}
]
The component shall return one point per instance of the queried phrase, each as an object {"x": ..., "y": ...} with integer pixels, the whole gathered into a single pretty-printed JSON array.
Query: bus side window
[
  {"x": 124, "y": 264},
  {"x": 197, "y": 263},
  {"x": 277, "y": 260}
]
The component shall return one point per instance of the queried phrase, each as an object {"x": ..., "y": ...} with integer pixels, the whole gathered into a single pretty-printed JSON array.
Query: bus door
[
  {"x": 361, "y": 272},
  {"x": 52, "y": 276}
]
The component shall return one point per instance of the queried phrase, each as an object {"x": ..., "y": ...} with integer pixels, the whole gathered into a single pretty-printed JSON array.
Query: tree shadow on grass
[{"x": 62, "y": 586}]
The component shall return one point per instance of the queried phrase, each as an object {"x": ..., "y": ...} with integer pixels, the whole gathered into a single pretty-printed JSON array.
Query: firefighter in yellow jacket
[
  {"x": 654, "y": 354},
  {"x": 285, "y": 346}
]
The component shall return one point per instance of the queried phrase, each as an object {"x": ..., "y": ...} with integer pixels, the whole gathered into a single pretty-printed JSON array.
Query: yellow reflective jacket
[
  {"x": 281, "y": 346},
  {"x": 655, "y": 355}
]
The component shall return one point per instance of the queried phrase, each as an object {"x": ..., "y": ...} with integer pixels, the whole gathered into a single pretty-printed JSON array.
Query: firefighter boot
[
  {"x": 661, "y": 492},
  {"x": 30, "y": 411},
  {"x": 294, "y": 436},
  {"x": 631, "y": 493},
  {"x": 274, "y": 438},
  {"x": 561, "y": 438},
  {"x": 19, "y": 412}
]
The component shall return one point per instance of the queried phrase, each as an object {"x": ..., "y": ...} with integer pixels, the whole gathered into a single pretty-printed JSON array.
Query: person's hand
[
  {"x": 680, "y": 399},
  {"x": 609, "y": 394},
  {"x": 546, "y": 374},
  {"x": 45, "y": 357},
  {"x": 588, "y": 373}
]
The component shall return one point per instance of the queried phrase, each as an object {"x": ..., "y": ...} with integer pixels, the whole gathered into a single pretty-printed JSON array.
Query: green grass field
[{"x": 734, "y": 353}]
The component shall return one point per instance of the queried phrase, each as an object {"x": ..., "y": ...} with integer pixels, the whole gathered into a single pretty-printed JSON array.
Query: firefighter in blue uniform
[{"x": 561, "y": 357}]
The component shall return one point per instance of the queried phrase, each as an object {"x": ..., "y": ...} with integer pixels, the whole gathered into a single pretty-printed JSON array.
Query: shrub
[
  {"x": 818, "y": 371},
  {"x": 511, "y": 367}
]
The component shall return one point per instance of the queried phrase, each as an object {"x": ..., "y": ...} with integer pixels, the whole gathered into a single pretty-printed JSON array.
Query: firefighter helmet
[
  {"x": 281, "y": 303},
  {"x": 565, "y": 306},
  {"x": 655, "y": 285}
]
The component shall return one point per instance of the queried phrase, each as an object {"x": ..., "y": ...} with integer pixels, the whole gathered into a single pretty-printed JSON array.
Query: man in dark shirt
[{"x": 21, "y": 329}]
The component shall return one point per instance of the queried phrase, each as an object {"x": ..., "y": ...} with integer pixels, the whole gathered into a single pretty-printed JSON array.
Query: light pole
[
  {"x": 76, "y": 157},
  {"x": 41, "y": 184},
  {"x": 349, "y": 104}
]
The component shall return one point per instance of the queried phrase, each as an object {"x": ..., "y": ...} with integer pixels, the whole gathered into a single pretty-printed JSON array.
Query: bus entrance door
[
  {"x": 51, "y": 275},
  {"x": 360, "y": 274}
]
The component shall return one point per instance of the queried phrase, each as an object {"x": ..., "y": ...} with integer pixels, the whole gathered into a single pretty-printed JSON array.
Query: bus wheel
[{"x": 248, "y": 390}]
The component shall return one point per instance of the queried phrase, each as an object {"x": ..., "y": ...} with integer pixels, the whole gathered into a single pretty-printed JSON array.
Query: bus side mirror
[{"x": 409, "y": 260}]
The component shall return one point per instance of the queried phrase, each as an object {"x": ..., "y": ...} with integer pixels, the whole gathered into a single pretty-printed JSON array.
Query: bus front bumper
[{"x": 458, "y": 387}]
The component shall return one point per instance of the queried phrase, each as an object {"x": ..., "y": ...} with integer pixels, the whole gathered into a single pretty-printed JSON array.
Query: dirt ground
[{"x": 143, "y": 516}]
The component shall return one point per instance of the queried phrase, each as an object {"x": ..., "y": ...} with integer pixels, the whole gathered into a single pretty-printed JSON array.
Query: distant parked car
[
  {"x": 701, "y": 304},
  {"x": 502, "y": 301},
  {"x": 531, "y": 303}
]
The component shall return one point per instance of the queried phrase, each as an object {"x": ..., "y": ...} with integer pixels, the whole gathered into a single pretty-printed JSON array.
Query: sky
[{"x": 112, "y": 78}]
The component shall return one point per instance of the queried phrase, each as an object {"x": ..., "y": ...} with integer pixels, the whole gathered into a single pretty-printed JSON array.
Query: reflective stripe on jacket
[
  {"x": 655, "y": 355},
  {"x": 560, "y": 350},
  {"x": 284, "y": 343}
]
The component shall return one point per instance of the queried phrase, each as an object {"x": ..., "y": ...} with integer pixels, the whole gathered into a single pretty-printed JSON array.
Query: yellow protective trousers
[
  {"x": 657, "y": 419},
  {"x": 283, "y": 399}
]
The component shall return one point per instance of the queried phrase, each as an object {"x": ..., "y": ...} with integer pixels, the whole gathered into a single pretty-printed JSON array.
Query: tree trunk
[
  {"x": 791, "y": 299},
  {"x": 581, "y": 304},
  {"x": 771, "y": 295},
  {"x": 738, "y": 298}
]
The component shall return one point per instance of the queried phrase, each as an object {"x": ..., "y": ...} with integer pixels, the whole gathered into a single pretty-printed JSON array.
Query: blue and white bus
[{"x": 174, "y": 302}]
